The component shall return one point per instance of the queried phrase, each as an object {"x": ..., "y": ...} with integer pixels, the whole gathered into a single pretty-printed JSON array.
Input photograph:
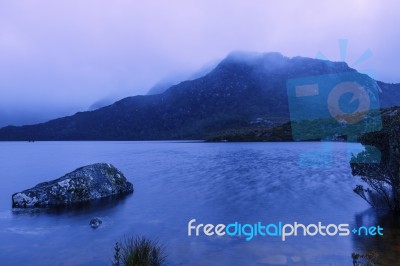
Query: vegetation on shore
[
  {"x": 253, "y": 134},
  {"x": 379, "y": 164},
  {"x": 366, "y": 259},
  {"x": 323, "y": 129},
  {"x": 138, "y": 251}
]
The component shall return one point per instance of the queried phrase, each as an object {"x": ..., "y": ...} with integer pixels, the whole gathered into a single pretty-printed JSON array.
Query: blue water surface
[{"x": 178, "y": 181}]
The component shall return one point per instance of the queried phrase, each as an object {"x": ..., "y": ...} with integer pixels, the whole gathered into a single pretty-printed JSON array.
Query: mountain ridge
[{"x": 242, "y": 89}]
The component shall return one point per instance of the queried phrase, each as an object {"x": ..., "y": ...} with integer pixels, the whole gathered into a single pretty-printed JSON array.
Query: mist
[{"x": 60, "y": 57}]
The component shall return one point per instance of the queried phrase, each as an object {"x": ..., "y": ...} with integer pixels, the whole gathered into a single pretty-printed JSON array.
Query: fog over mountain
[
  {"x": 59, "y": 57},
  {"x": 243, "y": 90},
  {"x": 168, "y": 82}
]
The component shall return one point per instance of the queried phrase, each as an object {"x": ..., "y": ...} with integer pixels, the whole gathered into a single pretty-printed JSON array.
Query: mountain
[
  {"x": 102, "y": 103},
  {"x": 170, "y": 81},
  {"x": 390, "y": 94},
  {"x": 243, "y": 90}
]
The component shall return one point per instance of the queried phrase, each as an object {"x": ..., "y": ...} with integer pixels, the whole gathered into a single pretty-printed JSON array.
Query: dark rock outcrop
[{"x": 87, "y": 183}]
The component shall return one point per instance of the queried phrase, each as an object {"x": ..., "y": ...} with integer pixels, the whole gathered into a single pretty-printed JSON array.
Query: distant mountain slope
[
  {"x": 390, "y": 95},
  {"x": 170, "y": 81},
  {"x": 244, "y": 89}
]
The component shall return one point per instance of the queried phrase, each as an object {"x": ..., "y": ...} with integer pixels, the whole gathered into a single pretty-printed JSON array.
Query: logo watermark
[
  {"x": 341, "y": 106},
  {"x": 279, "y": 229}
]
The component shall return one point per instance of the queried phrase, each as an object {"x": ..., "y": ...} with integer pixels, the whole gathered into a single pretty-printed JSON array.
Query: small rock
[{"x": 95, "y": 222}]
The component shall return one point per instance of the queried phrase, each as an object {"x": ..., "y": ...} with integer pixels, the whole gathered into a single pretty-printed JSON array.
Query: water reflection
[
  {"x": 95, "y": 206},
  {"x": 388, "y": 245}
]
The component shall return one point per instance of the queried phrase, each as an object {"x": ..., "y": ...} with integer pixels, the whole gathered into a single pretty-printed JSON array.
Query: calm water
[{"x": 177, "y": 181}]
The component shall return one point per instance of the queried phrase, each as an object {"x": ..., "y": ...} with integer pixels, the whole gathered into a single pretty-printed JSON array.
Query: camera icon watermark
[
  {"x": 333, "y": 107},
  {"x": 343, "y": 105}
]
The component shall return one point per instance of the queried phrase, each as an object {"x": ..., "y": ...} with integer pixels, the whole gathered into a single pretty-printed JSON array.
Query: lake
[{"x": 175, "y": 182}]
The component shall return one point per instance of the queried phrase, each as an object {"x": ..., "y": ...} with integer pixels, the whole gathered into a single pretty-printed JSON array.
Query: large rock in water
[{"x": 87, "y": 183}]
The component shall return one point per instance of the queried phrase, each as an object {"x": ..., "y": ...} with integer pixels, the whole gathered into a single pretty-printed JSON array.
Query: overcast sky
[{"x": 58, "y": 57}]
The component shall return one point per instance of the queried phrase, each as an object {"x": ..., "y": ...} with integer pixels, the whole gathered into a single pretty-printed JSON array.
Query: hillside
[{"x": 243, "y": 90}]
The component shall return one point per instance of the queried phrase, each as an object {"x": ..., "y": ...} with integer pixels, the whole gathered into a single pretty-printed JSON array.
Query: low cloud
[{"x": 58, "y": 57}]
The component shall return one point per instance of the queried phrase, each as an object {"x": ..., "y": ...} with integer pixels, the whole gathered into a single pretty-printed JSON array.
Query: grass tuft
[{"x": 139, "y": 251}]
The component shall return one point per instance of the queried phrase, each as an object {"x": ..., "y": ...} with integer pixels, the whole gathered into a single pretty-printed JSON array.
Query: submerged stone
[
  {"x": 85, "y": 184},
  {"x": 95, "y": 222}
]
